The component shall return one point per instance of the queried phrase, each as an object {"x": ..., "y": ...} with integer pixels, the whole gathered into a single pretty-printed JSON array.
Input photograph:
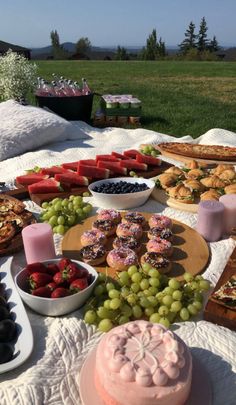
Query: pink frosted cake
[{"x": 141, "y": 363}]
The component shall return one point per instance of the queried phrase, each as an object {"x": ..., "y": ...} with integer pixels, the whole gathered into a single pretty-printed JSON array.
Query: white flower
[{"x": 17, "y": 76}]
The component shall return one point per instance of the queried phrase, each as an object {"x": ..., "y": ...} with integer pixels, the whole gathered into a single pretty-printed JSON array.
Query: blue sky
[{"x": 112, "y": 23}]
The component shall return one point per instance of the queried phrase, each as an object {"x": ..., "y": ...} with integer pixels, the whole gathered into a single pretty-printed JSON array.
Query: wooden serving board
[
  {"x": 161, "y": 196},
  {"x": 190, "y": 254},
  {"x": 22, "y": 192},
  {"x": 186, "y": 159},
  {"x": 219, "y": 314}
]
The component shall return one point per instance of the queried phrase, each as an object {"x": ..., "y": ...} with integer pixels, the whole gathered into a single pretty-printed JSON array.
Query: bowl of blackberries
[{"x": 121, "y": 193}]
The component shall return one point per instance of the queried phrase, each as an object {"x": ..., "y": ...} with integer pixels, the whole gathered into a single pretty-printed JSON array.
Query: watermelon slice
[
  {"x": 118, "y": 155},
  {"x": 133, "y": 164},
  {"x": 132, "y": 153},
  {"x": 94, "y": 172},
  {"x": 51, "y": 171},
  {"x": 45, "y": 186},
  {"x": 149, "y": 160},
  {"x": 71, "y": 178},
  {"x": 70, "y": 165},
  {"x": 107, "y": 158},
  {"x": 30, "y": 178},
  {"x": 113, "y": 166},
  {"x": 88, "y": 162}
]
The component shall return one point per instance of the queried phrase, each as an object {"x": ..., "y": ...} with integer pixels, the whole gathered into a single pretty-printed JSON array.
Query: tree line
[{"x": 195, "y": 45}]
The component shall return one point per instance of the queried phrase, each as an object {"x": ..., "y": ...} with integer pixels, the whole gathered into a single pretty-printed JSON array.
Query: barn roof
[{"x": 4, "y": 46}]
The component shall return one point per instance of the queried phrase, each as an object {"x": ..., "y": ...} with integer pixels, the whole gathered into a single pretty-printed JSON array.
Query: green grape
[
  {"x": 71, "y": 198},
  {"x": 70, "y": 206},
  {"x": 45, "y": 216},
  {"x": 86, "y": 194},
  {"x": 163, "y": 310},
  {"x": 61, "y": 229},
  {"x": 105, "y": 325},
  {"x": 194, "y": 285},
  {"x": 135, "y": 287},
  {"x": 175, "y": 306},
  {"x": 154, "y": 153},
  {"x": 114, "y": 293},
  {"x": 65, "y": 202},
  {"x": 197, "y": 305},
  {"x": 78, "y": 200},
  {"x": 115, "y": 303},
  {"x": 140, "y": 294},
  {"x": 144, "y": 302},
  {"x": 159, "y": 296},
  {"x": 79, "y": 212},
  {"x": 45, "y": 204},
  {"x": 136, "y": 277},
  {"x": 173, "y": 283},
  {"x": 192, "y": 309},
  {"x": 168, "y": 291},
  {"x": 99, "y": 290},
  {"x": 125, "y": 292},
  {"x": 204, "y": 285},
  {"x": 167, "y": 300},
  {"x": 71, "y": 220},
  {"x": 198, "y": 296},
  {"x": 87, "y": 209},
  {"x": 146, "y": 267},
  {"x": 154, "y": 318},
  {"x": 124, "y": 278},
  {"x": 153, "y": 290},
  {"x": 132, "y": 173},
  {"x": 106, "y": 304},
  {"x": 147, "y": 293},
  {"x": 149, "y": 311},
  {"x": 198, "y": 278},
  {"x": 188, "y": 277},
  {"x": 51, "y": 212},
  {"x": 137, "y": 311},
  {"x": 146, "y": 149},
  {"x": 60, "y": 220},
  {"x": 123, "y": 319},
  {"x": 184, "y": 314},
  {"x": 101, "y": 278},
  {"x": 154, "y": 282},
  {"x": 177, "y": 295},
  {"x": 55, "y": 200},
  {"x": 53, "y": 220},
  {"x": 153, "y": 300},
  {"x": 58, "y": 206},
  {"x": 126, "y": 309},
  {"x": 90, "y": 317},
  {"x": 132, "y": 299},
  {"x": 132, "y": 270},
  {"x": 165, "y": 322},
  {"x": 153, "y": 273},
  {"x": 103, "y": 313},
  {"x": 144, "y": 284},
  {"x": 110, "y": 286},
  {"x": 54, "y": 229}
]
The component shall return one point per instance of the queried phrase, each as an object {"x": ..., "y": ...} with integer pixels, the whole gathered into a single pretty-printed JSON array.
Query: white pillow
[{"x": 25, "y": 128}]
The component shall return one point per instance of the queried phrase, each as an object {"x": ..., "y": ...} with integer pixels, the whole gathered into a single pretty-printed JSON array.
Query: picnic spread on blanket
[{"x": 117, "y": 264}]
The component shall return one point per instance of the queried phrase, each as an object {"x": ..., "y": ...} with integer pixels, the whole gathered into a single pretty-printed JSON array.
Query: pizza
[
  {"x": 214, "y": 152},
  {"x": 226, "y": 294}
]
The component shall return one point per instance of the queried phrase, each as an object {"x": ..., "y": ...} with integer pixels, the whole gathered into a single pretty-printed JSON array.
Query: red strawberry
[
  {"x": 51, "y": 286},
  {"x": 63, "y": 263},
  {"x": 52, "y": 268},
  {"x": 58, "y": 278},
  {"x": 71, "y": 273},
  {"x": 37, "y": 280},
  {"x": 79, "y": 284},
  {"x": 36, "y": 268},
  {"x": 60, "y": 292},
  {"x": 42, "y": 292}
]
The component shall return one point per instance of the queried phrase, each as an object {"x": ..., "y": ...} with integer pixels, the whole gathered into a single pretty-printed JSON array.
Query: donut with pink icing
[
  {"x": 121, "y": 259},
  {"x": 105, "y": 225},
  {"x": 157, "y": 261},
  {"x": 134, "y": 218},
  {"x": 134, "y": 230},
  {"x": 157, "y": 220},
  {"x": 110, "y": 214},
  {"x": 161, "y": 246},
  {"x": 127, "y": 242},
  {"x": 141, "y": 363},
  {"x": 93, "y": 236}
]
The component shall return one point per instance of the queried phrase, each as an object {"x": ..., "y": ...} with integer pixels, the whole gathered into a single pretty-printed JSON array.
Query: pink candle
[
  {"x": 38, "y": 243},
  {"x": 210, "y": 220},
  {"x": 229, "y": 202}
]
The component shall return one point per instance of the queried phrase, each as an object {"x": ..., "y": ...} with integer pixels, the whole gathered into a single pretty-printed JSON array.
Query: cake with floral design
[{"x": 141, "y": 363}]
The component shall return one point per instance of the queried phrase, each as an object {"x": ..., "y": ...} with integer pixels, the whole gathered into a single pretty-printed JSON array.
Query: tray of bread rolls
[
  {"x": 111, "y": 241},
  {"x": 184, "y": 187}
]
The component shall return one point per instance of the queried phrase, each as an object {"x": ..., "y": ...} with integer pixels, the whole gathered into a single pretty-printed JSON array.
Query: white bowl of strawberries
[{"x": 56, "y": 287}]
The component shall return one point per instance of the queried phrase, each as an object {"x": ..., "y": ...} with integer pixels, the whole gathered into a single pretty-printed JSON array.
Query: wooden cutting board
[
  {"x": 161, "y": 196},
  {"x": 191, "y": 252},
  {"x": 219, "y": 314}
]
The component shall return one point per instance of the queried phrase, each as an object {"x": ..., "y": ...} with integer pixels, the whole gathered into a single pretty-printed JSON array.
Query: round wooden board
[
  {"x": 161, "y": 196},
  {"x": 186, "y": 159},
  {"x": 190, "y": 254}
]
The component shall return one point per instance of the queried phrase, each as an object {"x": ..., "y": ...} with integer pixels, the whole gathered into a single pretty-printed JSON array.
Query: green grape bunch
[
  {"x": 150, "y": 150},
  {"x": 63, "y": 213},
  {"x": 144, "y": 293}
]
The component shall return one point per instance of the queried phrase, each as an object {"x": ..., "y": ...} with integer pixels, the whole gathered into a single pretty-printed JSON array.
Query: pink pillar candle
[
  {"x": 210, "y": 220},
  {"x": 229, "y": 202},
  {"x": 38, "y": 243}
]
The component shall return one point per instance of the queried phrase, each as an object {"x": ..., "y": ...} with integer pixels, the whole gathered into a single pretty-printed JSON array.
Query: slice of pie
[{"x": 226, "y": 294}]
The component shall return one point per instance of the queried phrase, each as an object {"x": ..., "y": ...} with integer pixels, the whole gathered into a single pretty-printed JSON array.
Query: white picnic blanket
[{"x": 50, "y": 376}]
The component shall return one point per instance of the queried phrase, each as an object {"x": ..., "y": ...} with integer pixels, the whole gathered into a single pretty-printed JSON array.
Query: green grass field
[{"x": 178, "y": 98}]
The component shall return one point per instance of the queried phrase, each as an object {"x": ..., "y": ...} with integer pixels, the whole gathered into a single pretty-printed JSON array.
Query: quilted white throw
[{"x": 51, "y": 375}]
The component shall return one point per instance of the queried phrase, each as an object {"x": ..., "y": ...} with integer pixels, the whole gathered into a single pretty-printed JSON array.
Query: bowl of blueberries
[{"x": 121, "y": 193}]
